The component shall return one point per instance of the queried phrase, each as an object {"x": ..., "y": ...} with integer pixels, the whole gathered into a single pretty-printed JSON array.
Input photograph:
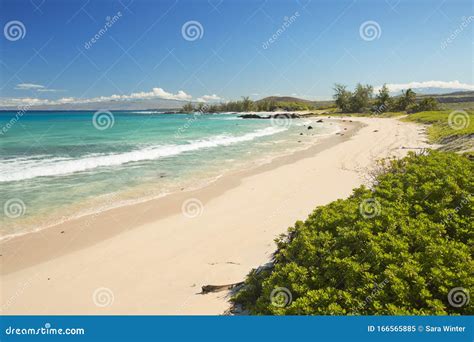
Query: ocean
[{"x": 55, "y": 166}]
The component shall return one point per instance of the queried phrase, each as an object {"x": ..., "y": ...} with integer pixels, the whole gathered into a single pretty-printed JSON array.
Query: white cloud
[
  {"x": 207, "y": 98},
  {"x": 29, "y": 86},
  {"x": 48, "y": 90},
  {"x": 35, "y": 87},
  {"x": 155, "y": 93},
  {"x": 396, "y": 87}
]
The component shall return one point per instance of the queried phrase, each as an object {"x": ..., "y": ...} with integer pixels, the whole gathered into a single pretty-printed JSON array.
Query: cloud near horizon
[
  {"x": 35, "y": 87},
  {"x": 207, "y": 98},
  {"x": 396, "y": 87},
  {"x": 155, "y": 93}
]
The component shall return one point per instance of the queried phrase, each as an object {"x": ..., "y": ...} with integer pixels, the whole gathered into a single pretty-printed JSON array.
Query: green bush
[{"x": 397, "y": 249}]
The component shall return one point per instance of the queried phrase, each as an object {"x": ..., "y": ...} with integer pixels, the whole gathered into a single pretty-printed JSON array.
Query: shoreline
[
  {"x": 119, "y": 200},
  {"x": 173, "y": 255},
  {"x": 210, "y": 190}
]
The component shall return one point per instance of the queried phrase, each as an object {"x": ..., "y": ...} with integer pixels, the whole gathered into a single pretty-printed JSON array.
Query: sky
[{"x": 214, "y": 50}]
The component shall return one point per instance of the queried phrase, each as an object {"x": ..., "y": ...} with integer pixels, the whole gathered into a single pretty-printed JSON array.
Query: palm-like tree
[{"x": 407, "y": 99}]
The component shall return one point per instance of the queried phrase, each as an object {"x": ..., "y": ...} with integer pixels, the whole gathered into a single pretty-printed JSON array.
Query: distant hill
[
  {"x": 316, "y": 104},
  {"x": 454, "y": 97},
  {"x": 284, "y": 99}
]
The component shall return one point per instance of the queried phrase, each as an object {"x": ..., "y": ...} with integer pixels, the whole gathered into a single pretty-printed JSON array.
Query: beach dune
[{"x": 153, "y": 257}]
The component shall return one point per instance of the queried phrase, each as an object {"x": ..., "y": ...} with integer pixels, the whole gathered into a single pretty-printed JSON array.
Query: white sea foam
[{"x": 28, "y": 168}]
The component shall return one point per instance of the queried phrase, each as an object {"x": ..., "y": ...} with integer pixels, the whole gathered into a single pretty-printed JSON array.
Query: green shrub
[{"x": 397, "y": 249}]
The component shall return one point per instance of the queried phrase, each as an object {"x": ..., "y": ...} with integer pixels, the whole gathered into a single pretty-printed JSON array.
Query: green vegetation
[
  {"x": 395, "y": 250},
  {"x": 247, "y": 105},
  {"x": 445, "y": 124},
  {"x": 353, "y": 102},
  {"x": 361, "y": 100}
]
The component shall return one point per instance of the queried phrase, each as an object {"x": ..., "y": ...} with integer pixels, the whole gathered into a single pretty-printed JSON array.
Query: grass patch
[{"x": 442, "y": 126}]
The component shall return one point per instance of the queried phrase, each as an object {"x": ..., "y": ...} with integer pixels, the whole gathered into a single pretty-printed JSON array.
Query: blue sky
[{"x": 144, "y": 52}]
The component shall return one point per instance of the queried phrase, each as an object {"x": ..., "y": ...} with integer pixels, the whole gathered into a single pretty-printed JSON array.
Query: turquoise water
[{"x": 58, "y": 165}]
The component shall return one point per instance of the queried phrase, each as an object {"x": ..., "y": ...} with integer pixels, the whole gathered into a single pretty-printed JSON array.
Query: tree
[
  {"x": 407, "y": 100},
  {"x": 247, "y": 104},
  {"x": 188, "y": 108},
  {"x": 360, "y": 99},
  {"x": 383, "y": 101},
  {"x": 427, "y": 104},
  {"x": 398, "y": 249},
  {"x": 342, "y": 97}
]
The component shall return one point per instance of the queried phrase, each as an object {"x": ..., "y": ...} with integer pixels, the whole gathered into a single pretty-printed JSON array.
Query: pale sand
[{"x": 154, "y": 260}]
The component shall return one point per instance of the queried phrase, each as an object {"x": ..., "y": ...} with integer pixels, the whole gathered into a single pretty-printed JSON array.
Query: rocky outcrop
[{"x": 275, "y": 116}]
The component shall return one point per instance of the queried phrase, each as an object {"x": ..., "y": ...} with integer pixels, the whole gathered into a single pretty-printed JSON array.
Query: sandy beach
[{"x": 150, "y": 258}]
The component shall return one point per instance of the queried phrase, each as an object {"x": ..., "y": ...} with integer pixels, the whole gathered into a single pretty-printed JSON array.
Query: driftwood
[{"x": 217, "y": 288}]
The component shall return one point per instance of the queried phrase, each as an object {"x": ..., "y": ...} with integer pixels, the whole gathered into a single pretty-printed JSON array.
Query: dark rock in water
[
  {"x": 275, "y": 116},
  {"x": 310, "y": 127},
  {"x": 253, "y": 116},
  {"x": 299, "y": 141},
  {"x": 286, "y": 115},
  {"x": 320, "y": 120},
  {"x": 301, "y": 133},
  {"x": 376, "y": 130},
  {"x": 345, "y": 129}
]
